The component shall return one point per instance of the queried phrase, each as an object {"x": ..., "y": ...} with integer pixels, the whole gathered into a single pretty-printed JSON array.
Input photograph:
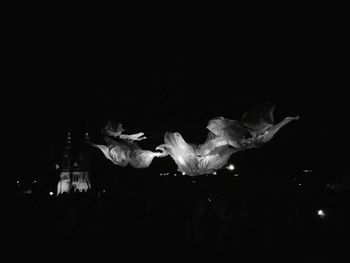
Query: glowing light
[
  {"x": 17, "y": 182},
  {"x": 50, "y": 193},
  {"x": 321, "y": 213},
  {"x": 183, "y": 173},
  {"x": 214, "y": 173},
  {"x": 307, "y": 171},
  {"x": 224, "y": 138},
  {"x": 299, "y": 184},
  {"x": 34, "y": 181},
  {"x": 57, "y": 166},
  {"x": 230, "y": 167},
  {"x": 235, "y": 175}
]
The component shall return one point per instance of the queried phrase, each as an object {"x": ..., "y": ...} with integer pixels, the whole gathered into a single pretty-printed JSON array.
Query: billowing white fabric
[
  {"x": 194, "y": 160},
  {"x": 125, "y": 150},
  {"x": 115, "y": 130},
  {"x": 225, "y": 137}
]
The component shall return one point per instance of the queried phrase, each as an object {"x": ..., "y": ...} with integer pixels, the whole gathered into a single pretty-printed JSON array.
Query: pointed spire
[
  {"x": 68, "y": 140},
  {"x": 87, "y": 136}
]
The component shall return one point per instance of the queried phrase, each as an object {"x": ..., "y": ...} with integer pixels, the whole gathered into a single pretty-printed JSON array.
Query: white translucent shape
[
  {"x": 116, "y": 129},
  {"x": 142, "y": 158},
  {"x": 225, "y": 137},
  {"x": 230, "y": 131},
  {"x": 113, "y": 129},
  {"x": 133, "y": 137},
  {"x": 187, "y": 158},
  {"x": 124, "y": 153}
]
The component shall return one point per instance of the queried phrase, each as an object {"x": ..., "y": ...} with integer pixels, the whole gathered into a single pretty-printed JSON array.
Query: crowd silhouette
[{"x": 152, "y": 224}]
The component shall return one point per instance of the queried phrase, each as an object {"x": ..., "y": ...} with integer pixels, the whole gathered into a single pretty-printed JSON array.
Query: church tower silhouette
[{"x": 75, "y": 173}]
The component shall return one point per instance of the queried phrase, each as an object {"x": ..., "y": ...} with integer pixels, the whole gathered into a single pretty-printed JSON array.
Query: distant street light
[
  {"x": 230, "y": 167},
  {"x": 321, "y": 213}
]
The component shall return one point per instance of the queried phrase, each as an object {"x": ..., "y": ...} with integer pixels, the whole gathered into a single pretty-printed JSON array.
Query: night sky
[{"x": 176, "y": 84}]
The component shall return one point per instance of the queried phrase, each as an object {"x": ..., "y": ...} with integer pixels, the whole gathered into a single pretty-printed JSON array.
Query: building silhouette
[{"x": 75, "y": 171}]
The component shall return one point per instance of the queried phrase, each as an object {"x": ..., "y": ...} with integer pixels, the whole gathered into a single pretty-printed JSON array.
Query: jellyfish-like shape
[
  {"x": 143, "y": 158},
  {"x": 124, "y": 150},
  {"x": 116, "y": 129},
  {"x": 256, "y": 127},
  {"x": 225, "y": 137},
  {"x": 118, "y": 154},
  {"x": 230, "y": 131},
  {"x": 122, "y": 155},
  {"x": 195, "y": 160},
  {"x": 113, "y": 129},
  {"x": 261, "y": 125}
]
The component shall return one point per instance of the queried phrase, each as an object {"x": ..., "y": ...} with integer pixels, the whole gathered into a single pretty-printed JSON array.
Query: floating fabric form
[
  {"x": 256, "y": 127},
  {"x": 125, "y": 151},
  {"x": 193, "y": 160},
  {"x": 143, "y": 158},
  {"x": 115, "y": 130},
  {"x": 116, "y": 153},
  {"x": 225, "y": 137},
  {"x": 261, "y": 125},
  {"x": 230, "y": 131}
]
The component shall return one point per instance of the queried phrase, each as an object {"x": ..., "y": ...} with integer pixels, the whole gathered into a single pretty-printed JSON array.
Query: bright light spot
[
  {"x": 235, "y": 175},
  {"x": 50, "y": 193},
  {"x": 214, "y": 173},
  {"x": 209, "y": 199},
  {"x": 307, "y": 171},
  {"x": 57, "y": 166},
  {"x": 34, "y": 181},
  {"x": 230, "y": 167},
  {"x": 104, "y": 190},
  {"x": 183, "y": 173},
  {"x": 17, "y": 182},
  {"x": 299, "y": 184},
  {"x": 321, "y": 213},
  {"x": 174, "y": 174}
]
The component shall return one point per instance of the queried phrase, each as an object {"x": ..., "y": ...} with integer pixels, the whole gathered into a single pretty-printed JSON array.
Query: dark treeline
[{"x": 278, "y": 223}]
